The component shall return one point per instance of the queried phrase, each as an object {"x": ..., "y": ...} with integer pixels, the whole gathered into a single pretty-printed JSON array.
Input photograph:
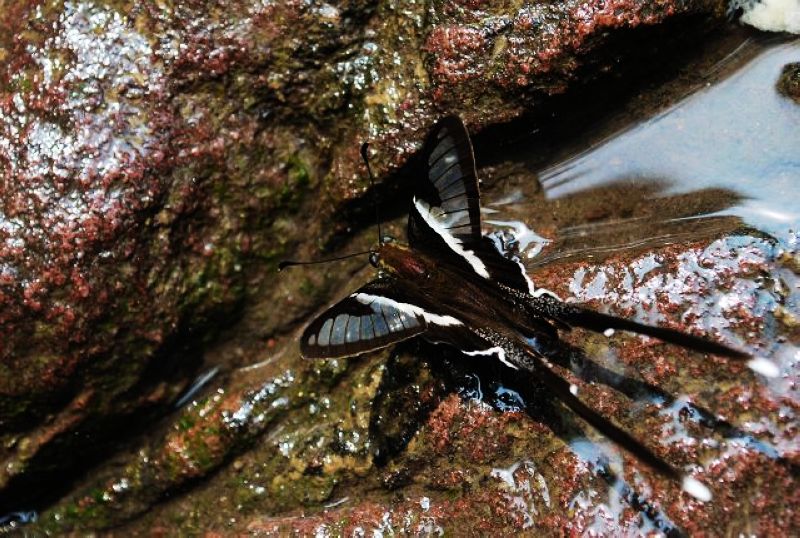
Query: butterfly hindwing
[
  {"x": 369, "y": 319},
  {"x": 509, "y": 272}
]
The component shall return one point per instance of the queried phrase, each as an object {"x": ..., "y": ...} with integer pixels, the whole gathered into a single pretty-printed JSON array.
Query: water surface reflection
[{"x": 738, "y": 135}]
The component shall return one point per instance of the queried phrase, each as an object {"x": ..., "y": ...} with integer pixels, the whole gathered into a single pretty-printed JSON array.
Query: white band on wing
[
  {"x": 497, "y": 350},
  {"x": 454, "y": 243},
  {"x": 436, "y": 319}
]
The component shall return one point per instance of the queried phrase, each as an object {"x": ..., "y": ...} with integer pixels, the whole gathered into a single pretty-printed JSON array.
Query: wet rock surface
[
  {"x": 158, "y": 159},
  {"x": 789, "y": 82},
  {"x": 422, "y": 440},
  {"x": 132, "y": 186}
]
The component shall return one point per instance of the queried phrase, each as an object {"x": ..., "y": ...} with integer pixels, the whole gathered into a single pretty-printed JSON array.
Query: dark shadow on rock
[
  {"x": 100, "y": 437},
  {"x": 589, "y": 371},
  {"x": 631, "y": 92},
  {"x": 408, "y": 391},
  {"x": 419, "y": 375},
  {"x": 643, "y": 58}
]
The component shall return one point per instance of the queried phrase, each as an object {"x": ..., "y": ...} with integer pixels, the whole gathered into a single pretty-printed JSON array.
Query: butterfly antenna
[
  {"x": 365, "y": 156},
  {"x": 289, "y": 263}
]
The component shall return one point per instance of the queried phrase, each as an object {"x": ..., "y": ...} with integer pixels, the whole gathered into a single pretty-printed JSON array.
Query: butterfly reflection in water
[{"x": 451, "y": 285}]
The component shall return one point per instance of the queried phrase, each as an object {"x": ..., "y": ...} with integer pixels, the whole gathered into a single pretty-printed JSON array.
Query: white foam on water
[
  {"x": 696, "y": 489},
  {"x": 773, "y": 15},
  {"x": 763, "y": 366}
]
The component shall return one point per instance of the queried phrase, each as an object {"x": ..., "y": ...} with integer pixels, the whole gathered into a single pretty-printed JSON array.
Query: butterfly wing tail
[
  {"x": 595, "y": 321},
  {"x": 598, "y": 322},
  {"x": 561, "y": 389}
]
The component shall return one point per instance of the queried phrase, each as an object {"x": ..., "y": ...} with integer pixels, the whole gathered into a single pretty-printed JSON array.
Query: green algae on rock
[
  {"x": 128, "y": 215},
  {"x": 159, "y": 159}
]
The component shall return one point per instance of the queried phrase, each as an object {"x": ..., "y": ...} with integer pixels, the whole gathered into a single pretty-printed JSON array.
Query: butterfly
[{"x": 452, "y": 285}]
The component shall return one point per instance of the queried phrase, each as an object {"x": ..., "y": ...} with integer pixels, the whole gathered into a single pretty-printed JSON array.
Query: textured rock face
[
  {"x": 425, "y": 441},
  {"x": 789, "y": 83},
  {"x": 138, "y": 181},
  {"x": 156, "y": 162}
]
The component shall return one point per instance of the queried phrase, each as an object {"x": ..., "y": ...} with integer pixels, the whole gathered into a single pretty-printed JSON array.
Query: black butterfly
[{"x": 451, "y": 285}]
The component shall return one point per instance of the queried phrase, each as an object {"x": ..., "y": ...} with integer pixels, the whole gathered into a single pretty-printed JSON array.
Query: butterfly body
[
  {"x": 463, "y": 310},
  {"x": 453, "y": 285}
]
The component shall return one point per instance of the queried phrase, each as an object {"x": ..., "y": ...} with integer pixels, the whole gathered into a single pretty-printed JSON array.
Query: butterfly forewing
[
  {"x": 448, "y": 193},
  {"x": 445, "y": 215},
  {"x": 369, "y": 319},
  {"x": 451, "y": 190}
]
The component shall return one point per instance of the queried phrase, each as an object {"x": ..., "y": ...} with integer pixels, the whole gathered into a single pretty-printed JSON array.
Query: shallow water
[
  {"x": 719, "y": 165},
  {"x": 728, "y": 149},
  {"x": 738, "y": 134}
]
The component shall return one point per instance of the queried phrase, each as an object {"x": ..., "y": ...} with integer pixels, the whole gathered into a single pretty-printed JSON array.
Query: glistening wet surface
[
  {"x": 497, "y": 450},
  {"x": 730, "y": 148},
  {"x": 717, "y": 171},
  {"x": 739, "y": 134}
]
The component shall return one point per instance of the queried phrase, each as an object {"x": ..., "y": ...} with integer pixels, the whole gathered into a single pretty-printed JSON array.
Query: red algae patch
[{"x": 162, "y": 159}]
